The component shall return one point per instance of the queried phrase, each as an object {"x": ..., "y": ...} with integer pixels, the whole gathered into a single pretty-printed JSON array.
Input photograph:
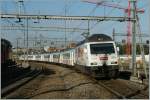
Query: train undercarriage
[{"x": 100, "y": 71}]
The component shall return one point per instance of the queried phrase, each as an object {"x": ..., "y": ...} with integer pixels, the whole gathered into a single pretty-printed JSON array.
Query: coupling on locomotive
[{"x": 97, "y": 55}]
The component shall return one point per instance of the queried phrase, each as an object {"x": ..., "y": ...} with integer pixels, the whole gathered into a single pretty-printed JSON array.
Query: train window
[
  {"x": 38, "y": 56},
  {"x": 106, "y": 48},
  {"x": 46, "y": 56},
  {"x": 30, "y": 56},
  {"x": 66, "y": 56},
  {"x": 55, "y": 56}
]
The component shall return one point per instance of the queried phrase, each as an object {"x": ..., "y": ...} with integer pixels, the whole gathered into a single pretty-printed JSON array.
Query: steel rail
[
  {"x": 120, "y": 96},
  {"x": 6, "y": 91}
]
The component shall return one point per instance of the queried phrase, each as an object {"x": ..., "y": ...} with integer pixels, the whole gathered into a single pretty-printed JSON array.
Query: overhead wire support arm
[
  {"x": 58, "y": 29},
  {"x": 57, "y": 17},
  {"x": 137, "y": 35}
]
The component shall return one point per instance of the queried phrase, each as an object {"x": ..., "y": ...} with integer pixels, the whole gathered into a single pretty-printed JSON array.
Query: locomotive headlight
[
  {"x": 114, "y": 62},
  {"x": 94, "y": 63}
]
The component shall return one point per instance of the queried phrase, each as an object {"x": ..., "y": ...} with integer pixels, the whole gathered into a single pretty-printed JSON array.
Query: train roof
[
  {"x": 96, "y": 38},
  {"x": 92, "y": 38}
]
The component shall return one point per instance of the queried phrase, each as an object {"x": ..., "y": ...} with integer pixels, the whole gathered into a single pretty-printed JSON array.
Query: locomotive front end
[{"x": 104, "y": 59}]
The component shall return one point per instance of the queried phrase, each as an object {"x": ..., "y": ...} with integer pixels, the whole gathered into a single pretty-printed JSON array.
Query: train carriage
[
  {"x": 56, "y": 57},
  {"x": 72, "y": 57},
  {"x": 30, "y": 57},
  {"x": 38, "y": 57},
  {"x": 68, "y": 57},
  {"x": 61, "y": 57},
  {"x": 96, "y": 55},
  {"x": 51, "y": 57},
  {"x": 21, "y": 57},
  {"x": 45, "y": 57}
]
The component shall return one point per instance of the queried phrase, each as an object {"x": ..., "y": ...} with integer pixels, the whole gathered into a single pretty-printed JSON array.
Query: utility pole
[
  {"x": 134, "y": 39},
  {"x": 40, "y": 43},
  {"x": 113, "y": 34},
  {"x": 17, "y": 48},
  {"x": 24, "y": 31},
  {"x": 65, "y": 24},
  {"x": 17, "y": 40},
  {"x": 20, "y": 3},
  {"x": 149, "y": 47},
  {"x": 27, "y": 40},
  {"x": 24, "y": 36},
  {"x": 88, "y": 28},
  {"x": 149, "y": 32},
  {"x": 26, "y": 64}
]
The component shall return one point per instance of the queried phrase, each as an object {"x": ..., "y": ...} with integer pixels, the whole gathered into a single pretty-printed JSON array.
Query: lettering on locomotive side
[{"x": 80, "y": 52}]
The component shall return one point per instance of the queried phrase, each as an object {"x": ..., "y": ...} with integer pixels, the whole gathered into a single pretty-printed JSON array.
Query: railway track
[
  {"x": 18, "y": 78},
  {"x": 18, "y": 82},
  {"x": 69, "y": 83},
  {"x": 124, "y": 89},
  {"x": 11, "y": 74}
]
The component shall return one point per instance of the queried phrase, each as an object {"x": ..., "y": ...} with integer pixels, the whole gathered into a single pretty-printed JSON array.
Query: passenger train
[{"x": 97, "y": 55}]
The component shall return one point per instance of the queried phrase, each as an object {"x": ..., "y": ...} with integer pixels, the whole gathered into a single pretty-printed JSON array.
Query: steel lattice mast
[{"x": 128, "y": 46}]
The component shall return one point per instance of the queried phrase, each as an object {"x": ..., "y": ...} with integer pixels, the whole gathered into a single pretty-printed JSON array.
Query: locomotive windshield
[{"x": 106, "y": 48}]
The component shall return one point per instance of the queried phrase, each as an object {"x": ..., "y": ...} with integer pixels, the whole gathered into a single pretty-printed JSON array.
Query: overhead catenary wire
[
  {"x": 68, "y": 7},
  {"x": 92, "y": 27},
  {"x": 88, "y": 15},
  {"x": 105, "y": 15}
]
